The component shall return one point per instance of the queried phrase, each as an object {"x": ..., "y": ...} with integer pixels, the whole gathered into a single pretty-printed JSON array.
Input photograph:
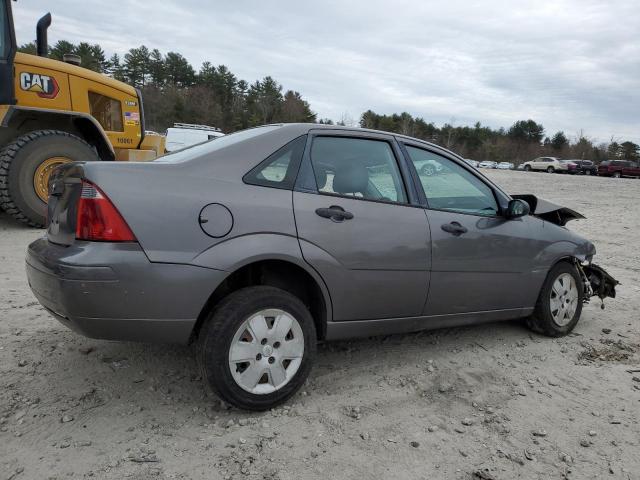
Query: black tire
[
  {"x": 18, "y": 163},
  {"x": 542, "y": 320},
  {"x": 216, "y": 336},
  {"x": 551, "y": 170},
  {"x": 617, "y": 175},
  {"x": 527, "y": 168}
]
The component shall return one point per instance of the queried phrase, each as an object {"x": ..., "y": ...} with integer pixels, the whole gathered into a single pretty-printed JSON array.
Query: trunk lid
[{"x": 65, "y": 188}]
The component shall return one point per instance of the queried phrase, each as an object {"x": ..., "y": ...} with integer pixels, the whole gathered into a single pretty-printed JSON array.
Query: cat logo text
[{"x": 44, "y": 85}]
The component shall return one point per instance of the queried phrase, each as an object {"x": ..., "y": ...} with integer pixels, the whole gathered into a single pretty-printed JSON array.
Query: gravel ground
[{"x": 492, "y": 401}]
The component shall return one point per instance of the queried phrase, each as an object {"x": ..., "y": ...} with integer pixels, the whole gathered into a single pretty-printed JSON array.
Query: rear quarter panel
[{"x": 162, "y": 201}]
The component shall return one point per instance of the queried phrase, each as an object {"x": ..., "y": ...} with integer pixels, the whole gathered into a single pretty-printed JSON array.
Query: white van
[{"x": 183, "y": 135}]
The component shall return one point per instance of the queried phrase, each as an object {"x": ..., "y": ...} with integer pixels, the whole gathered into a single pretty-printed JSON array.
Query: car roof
[{"x": 322, "y": 126}]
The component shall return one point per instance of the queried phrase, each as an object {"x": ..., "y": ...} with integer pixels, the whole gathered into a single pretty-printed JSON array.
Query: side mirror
[{"x": 517, "y": 208}]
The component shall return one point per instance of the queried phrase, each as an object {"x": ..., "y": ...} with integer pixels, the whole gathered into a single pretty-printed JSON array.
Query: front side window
[
  {"x": 449, "y": 186},
  {"x": 279, "y": 170},
  {"x": 107, "y": 111},
  {"x": 357, "y": 167}
]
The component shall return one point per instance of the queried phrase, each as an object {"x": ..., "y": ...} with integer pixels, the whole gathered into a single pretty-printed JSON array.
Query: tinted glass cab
[{"x": 7, "y": 52}]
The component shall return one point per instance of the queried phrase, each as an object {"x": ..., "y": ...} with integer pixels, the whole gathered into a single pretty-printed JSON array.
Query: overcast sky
[{"x": 569, "y": 65}]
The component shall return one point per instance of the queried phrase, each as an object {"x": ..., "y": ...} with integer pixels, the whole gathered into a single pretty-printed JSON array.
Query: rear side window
[
  {"x": 357, "y": 167},
  {"x": 107, "y": 111},
  {"x": 279, "y": 170}
]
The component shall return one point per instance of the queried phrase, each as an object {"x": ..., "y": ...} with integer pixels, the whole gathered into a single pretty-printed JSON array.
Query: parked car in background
[
  {"x": 615, "y": 168},
  {"x": 582, "y": 167},
  {"x": 488, "y": 164},
  {"x": 183, "y": 135},
  {"x": 505, "y": 166},
  {"x": 544, "y": 164},
  {"x": 429, "y": 168},
  {"x": 632, "y": 171},
  {"x": 564, "y": 166},
  {"x": 473, "y": 163}
]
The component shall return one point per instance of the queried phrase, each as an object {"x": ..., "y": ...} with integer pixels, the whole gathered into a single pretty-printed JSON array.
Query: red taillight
[{"x": 98, "y": 219}]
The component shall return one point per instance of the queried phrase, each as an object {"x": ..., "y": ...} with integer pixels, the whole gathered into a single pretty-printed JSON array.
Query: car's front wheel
[
  {"x": 527, "y": 168},
  {"x": 560, "y": 302},
  {"x": 550, "y": 170},
  {"x": 257, "y": 347}
]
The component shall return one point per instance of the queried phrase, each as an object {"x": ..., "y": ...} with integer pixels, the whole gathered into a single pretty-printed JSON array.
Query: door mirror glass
[{"x": 517, "y": 208}]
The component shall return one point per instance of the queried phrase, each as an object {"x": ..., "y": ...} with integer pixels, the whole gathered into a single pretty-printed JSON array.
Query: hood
[
  {"x": 549, "y": 211},
  {"x": 73, "y": 70}
]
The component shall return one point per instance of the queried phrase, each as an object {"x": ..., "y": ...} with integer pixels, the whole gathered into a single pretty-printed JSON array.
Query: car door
[
  {"x": 358, "y": 228},
  {"x": 480, "y": 261}
]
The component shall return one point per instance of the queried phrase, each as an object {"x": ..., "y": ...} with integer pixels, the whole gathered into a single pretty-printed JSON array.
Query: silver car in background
[
  {"x": 505, "y": 166},
  {"x": 488, "y": 164},
  {"x": 259, "y": 244}
]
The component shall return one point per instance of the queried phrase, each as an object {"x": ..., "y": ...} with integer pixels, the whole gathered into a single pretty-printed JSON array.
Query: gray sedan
[{"x": 257, "y": 245}]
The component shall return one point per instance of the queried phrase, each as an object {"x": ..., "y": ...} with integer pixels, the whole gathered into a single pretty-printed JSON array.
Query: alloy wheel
[
  {"x": 563, "y": 299},
  {"x": 266, "y": 351}
]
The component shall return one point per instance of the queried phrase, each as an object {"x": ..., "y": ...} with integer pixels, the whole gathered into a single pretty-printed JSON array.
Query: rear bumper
[{"x": 112, "y": 291}]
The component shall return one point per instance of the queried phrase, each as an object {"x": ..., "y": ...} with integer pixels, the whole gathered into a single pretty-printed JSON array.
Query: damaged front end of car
[{"x": 596, "y": 281}]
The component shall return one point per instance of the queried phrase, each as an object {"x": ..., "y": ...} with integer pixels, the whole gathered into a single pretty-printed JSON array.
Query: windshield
[{"x": 214, "y": 145}]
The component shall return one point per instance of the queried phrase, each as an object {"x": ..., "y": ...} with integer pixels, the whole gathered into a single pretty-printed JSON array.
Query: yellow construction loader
[{"x": 53, "y": 112}]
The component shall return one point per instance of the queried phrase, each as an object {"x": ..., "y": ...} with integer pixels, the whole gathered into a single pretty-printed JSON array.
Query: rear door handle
[
  {"x": 335, "y": 213},
  {"x": 454, "y": 228}
]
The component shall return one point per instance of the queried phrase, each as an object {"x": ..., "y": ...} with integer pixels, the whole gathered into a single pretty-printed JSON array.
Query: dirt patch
[{"x": 609, "y": 350}]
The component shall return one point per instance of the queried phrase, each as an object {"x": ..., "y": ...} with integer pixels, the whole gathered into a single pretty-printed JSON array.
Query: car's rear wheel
[
  {"x": 560, "y": 302},
  {"x": 587, "y": 172},
  {"x": 617, "y": 174},
  {"x": 527, "y": 168},
  {"x": 551, "y": 170},
  {"x": 257, "y": 347}
]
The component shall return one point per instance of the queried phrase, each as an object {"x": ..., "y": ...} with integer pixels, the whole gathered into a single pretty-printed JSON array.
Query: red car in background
[
  {"x": 618, "y": 168},
  {"x": 633, "y": 171}
]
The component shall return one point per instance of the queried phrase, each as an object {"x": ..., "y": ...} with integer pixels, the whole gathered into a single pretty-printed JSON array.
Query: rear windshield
[{"x": 210, "y": 146}]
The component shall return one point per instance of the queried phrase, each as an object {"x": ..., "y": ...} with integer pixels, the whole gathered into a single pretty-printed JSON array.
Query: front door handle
[
  {"x": 335, "y": 213},
  {"x": 454, "y": 228}
]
